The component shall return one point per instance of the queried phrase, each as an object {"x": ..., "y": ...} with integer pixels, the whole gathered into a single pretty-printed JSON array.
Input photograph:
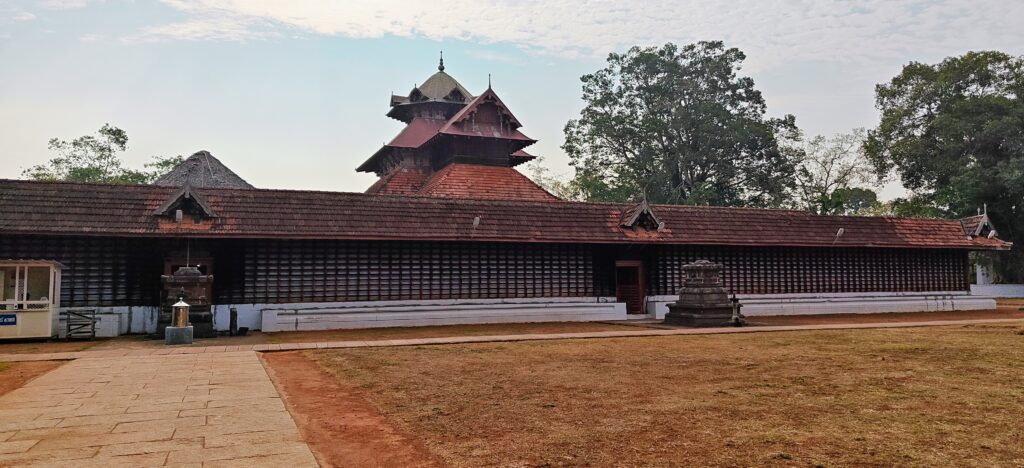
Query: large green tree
[
  {"x": 679, "y": 125},
  {"x": 954, "y": 134},
  {"x": 96, "y": 158}
]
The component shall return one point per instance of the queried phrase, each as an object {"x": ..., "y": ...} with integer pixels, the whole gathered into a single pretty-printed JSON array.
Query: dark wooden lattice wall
[
  {"x": 126, "y": 271},
  {"x": 782, "y": 270},
  {"x": 329, "y": 271},
  {"x": 99, "y": 271}
]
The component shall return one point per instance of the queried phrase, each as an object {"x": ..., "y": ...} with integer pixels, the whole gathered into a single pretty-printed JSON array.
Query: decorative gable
[
  {"x": 486, "y": 108},
  {"x": 186, "y": 202},
  {"x": 640, "y": 215},
  {"x": 979, "y": 226}
]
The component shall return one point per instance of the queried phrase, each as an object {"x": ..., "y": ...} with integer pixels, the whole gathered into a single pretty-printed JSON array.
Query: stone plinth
[
  {"x": 703, "y": 301},
  {"x": 178, "y": 335}
]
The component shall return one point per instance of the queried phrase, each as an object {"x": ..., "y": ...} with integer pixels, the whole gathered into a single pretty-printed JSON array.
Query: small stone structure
[
  {"x": 188, "y": 284},
  {"x": 703, "y": 302},
  {"x": 179, "y": 332}
]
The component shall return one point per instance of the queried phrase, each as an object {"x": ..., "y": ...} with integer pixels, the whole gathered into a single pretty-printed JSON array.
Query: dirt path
[
  {"x": 340, "y": 426},
  {"x": 16, "y": 374}
]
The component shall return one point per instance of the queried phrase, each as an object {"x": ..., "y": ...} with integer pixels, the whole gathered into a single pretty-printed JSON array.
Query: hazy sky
[{"x": 292, "y": 94}]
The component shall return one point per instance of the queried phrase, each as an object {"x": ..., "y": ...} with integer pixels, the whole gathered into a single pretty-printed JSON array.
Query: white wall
[
  {"x": 114, "y": 321},
  {"x": 998, "y": 290},
  {"x": 844, "y": 303},
  {"x": 325, "y": 316}
]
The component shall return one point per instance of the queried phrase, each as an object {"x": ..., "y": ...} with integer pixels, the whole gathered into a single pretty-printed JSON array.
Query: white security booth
[{"x": 29, "y": 298}]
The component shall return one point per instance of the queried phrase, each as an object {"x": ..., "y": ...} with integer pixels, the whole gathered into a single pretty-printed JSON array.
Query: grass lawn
[{"x": 951, "y": 396}]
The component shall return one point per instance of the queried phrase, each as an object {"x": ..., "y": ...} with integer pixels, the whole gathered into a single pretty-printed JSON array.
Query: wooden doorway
[{"x": 629, "y": 285}]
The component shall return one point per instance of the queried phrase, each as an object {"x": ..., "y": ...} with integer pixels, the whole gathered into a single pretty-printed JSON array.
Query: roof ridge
[{"x": 619, "y": 205}]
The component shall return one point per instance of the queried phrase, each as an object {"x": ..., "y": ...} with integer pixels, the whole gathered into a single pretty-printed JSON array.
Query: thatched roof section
[{"x": 202, "y": 170}]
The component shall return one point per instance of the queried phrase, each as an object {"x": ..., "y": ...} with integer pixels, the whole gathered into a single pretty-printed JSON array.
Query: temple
[
  {"x": 453, "y": 145},
  {"x": 452, "y": 232}
]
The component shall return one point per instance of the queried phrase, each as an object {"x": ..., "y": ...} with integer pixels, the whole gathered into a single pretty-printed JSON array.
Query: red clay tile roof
[
  {"x": 421, "y": 131},
  {"x": 28, "y": 207},
  {"x": 505, "y": 127},
  {"x": 401, "y": 181},
  {"x": 418, "y": 132},
  {"x": 483, "y": 182}
]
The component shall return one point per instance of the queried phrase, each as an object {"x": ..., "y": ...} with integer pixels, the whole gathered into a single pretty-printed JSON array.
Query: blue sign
[{"x": 8, "y": 319}]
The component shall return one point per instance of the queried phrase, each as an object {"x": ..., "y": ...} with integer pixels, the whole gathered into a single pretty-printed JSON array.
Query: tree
[
  {"x": 954, "y": 133},
  {"x": 95, "y": 158},
  {"x": 550, "y": 182},
  {"x": 680, "y": 126},
  {"x": 832, "y": 175}
]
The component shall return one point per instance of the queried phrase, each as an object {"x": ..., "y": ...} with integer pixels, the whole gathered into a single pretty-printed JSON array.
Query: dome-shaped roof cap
[{"x": 440, "y": 87}]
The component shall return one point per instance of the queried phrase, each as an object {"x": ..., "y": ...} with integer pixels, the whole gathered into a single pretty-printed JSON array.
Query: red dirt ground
[
  {"x": 16, "y": 374},
  {"x": 327, "y": 412}
]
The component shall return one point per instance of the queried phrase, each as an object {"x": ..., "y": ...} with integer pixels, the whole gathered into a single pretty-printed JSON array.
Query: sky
[{"x": 293, "y": 94}]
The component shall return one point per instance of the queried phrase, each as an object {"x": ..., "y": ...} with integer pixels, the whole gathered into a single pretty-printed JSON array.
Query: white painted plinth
[
  {"x": 452, "y": 312},
  {"x": 844, "y": 303},
  {"x": 998, "y": 290}
]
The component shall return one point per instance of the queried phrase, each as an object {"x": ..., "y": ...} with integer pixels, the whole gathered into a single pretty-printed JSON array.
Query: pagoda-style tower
[{"x": 453, "y": 145}]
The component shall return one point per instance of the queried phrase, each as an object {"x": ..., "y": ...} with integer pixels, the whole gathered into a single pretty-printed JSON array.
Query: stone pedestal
[
  {"x": 178, "y": 335},
  {"x": 703, "y": 302}
]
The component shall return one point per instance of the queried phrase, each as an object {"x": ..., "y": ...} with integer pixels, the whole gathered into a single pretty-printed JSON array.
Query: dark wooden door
[{"x": 629, "y": 285}]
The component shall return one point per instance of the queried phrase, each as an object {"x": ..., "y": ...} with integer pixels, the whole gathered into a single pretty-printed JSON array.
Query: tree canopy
[
  {"x": 96, "y": 158},
  {"x": 832, "y": 175},
  {"x": 954, "y": 134},
  {"x": 679, "y": 125}
]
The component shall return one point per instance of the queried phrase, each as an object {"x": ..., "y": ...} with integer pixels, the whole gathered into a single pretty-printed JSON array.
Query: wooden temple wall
[
  {"x": 794, "y": 270},
  {"x": 126, "y": 271},
  {"x": 98, "y": 271},
  {"x": 340, "y": 271}
]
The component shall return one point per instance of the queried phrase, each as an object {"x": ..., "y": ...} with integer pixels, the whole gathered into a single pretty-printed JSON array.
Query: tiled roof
[
  {"x": 420, "y": 131},
  {"x": 28, "y": 207},
  {"x": 483, "y": 182},
  {"x": 488, "y": 97},
  {"x": 401, "y": 181}
]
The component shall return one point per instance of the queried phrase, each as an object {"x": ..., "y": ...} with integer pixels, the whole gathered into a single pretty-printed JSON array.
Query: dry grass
[
  {"x": 951, "y": 396},
  {"x": 399, "y": 333}
]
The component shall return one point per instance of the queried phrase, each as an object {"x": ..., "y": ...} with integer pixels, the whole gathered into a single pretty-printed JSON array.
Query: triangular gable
[
  {"x": 640, "y": 215},
  {"x": 978, "y": 226},
  {"x": 488, "y": 97},
  {"x": 187, "y": 200}
]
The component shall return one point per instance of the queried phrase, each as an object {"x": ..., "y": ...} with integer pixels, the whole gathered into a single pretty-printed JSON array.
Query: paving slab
[{"x": 216, "y": 407}]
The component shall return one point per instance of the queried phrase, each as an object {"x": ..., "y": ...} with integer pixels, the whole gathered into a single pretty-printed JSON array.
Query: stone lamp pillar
[
  {"x": 179, "y": 332},
  {"x": 703, "y": 301}
]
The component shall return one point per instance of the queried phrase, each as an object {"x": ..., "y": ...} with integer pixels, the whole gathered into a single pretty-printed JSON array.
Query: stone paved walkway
[{"x": 210, "y": 410}]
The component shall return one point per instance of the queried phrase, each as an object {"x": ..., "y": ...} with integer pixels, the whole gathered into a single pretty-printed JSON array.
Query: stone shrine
[{"x": 703, "y": 301}]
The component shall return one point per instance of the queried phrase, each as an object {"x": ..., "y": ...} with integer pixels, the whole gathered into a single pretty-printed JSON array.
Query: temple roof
[
  {"x": 64, "y": 208},
  {"x": 420, "y": 130},
  {"x": 439, "y": 87},
  {"x": 460, "y": 180},
  {"x": 202, "y": 170}
]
